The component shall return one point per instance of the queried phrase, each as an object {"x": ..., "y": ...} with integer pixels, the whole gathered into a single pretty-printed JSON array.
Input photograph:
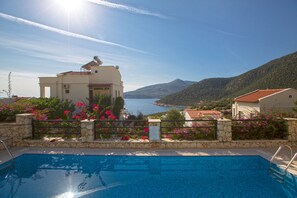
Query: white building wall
[
  {"x": 280, "y": 102},
  {"x": 78, "y": 84},
  {"x": 244, "y": 109},
  {"x": 188, "y": 117}
]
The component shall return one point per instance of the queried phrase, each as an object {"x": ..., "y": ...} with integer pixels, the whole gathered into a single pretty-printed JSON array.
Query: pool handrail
[{"x": 5, "y": 146}]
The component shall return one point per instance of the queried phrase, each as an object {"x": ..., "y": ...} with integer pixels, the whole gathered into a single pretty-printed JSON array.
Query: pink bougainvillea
[{"x": 80, "y": 104}]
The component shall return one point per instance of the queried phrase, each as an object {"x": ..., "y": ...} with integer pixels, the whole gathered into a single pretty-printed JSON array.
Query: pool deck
[{"x": 266, "y": 153}]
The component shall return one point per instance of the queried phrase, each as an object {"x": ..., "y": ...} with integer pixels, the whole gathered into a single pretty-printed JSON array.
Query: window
[
  {"x": 96, "y": 71},
  {"x": 67, "y": 91},
  {"x": 290, "y": 96}
]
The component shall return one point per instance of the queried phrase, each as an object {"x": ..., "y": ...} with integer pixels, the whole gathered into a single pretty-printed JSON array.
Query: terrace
[{"x": 130, "y": 134}]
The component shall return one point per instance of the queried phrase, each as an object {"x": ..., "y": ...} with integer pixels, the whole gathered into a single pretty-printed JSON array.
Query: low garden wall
[{"x": 20, "y": 133}]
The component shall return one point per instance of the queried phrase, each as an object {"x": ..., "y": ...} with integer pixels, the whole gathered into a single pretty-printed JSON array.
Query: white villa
[
  {"x": 194, "y": 114},
  {"x": 93, "y": 79},
  {"x": 264, "y": 101}
]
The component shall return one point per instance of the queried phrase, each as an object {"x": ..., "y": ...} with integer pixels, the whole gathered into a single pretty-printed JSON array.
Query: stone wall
[
  {"x": 19, "y": 131},
  {"x": 292, "y": 129}
]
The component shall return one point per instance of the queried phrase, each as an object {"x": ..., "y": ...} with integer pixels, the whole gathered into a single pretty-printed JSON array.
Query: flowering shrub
[
  {"x": 117, "y": 129},
  {"x": 8, "y": 112},
  {"x": 262, "y": 127},
  {"x": 199, "y": 130}
]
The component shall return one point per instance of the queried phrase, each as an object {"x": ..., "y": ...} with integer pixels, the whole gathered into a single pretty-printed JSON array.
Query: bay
[{"x": 145, "y": 106}]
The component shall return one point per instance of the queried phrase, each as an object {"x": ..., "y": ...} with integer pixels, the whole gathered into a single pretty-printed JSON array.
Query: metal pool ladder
[
  {"x": 279, "y": 175},
  {"x": 8, "y": 151}
]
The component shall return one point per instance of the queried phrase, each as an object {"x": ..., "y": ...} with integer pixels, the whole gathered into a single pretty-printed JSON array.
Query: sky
[{"x": 152, "y": 41}]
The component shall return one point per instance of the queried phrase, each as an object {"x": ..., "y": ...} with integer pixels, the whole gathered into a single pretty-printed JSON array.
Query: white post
[{"x": 154, "y": 130}]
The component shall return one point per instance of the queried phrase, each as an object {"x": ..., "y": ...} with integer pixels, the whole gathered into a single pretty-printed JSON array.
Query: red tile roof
[
  {"x": 255, "y": 96},
  {"x": 193, "y": 113}
]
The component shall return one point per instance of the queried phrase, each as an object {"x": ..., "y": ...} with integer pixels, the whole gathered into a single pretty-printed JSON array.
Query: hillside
[
  {"x": 159, "y": 90},
  {"x": 278, "y": 73}
]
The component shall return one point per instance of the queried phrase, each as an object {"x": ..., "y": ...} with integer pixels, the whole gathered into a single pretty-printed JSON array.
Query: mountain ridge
[
  {"x": 158, "y": 90},
  {"x": 277, "y": 73}
]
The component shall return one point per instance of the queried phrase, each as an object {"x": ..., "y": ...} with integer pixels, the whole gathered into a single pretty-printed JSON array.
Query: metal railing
[
  {"x": 56, "y": 128},
  {"x": 121, "y": 129},
  {"x": 189, "y": 129},
  {"x": 263, "y": 129}
]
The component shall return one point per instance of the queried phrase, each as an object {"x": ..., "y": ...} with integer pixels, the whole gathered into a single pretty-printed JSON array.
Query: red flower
[
  {"x": 144, "y": 137},
  {"x": 125, "y": 137},
  {"x": 77, "y": 117},
  {"x": 146, "y": 130},
  {"x": 102, "y": 118},
  {"x": 108, "y": 112},
  {"x": 112, "y": 117},
  {"x": 95, "y": 107},
  {"x": 79, "y": 104},
  {"x": 66, "y": 112}
]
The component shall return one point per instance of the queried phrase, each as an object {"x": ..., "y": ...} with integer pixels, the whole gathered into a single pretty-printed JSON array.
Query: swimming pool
[{"x": 43, "y": 175}]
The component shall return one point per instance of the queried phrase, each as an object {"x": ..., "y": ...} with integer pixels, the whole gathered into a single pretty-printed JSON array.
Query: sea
[{"x": 145, "y": 106}]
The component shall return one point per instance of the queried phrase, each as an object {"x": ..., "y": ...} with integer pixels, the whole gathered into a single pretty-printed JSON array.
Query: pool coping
[{"x": 266, "y": 153}]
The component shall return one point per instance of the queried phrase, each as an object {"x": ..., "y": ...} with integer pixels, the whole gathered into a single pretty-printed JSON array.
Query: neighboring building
[
  {"x": 193, "y": 114},
  {"x": 264, "y": 102},
  {"x": 92, "y": 80}
]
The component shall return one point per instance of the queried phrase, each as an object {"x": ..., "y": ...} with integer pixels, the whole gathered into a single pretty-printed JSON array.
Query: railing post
[
  {"x": 154, "y": 130},
  {"x": 87, "y": 130},
  {"x": 292, "y": 129},
  {"x": 224, "y": 130}
]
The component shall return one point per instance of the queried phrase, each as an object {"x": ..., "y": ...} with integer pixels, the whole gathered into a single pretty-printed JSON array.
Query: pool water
[{"x": 41, "y": 175}]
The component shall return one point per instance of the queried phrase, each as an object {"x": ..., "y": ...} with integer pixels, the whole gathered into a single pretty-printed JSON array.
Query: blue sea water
[
  {"x": 40, "y": 175},
  {"x": 145, "y": 106}
]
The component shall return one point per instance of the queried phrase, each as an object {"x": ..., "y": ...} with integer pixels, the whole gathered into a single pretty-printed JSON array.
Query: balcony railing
[
  {"x": 56, "y": 128},
  {"x": 121, "y": 129}
]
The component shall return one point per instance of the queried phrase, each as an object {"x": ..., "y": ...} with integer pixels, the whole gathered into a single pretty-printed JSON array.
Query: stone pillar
[
  {"x": 25, "y": 120},
  {"x": 292, "y": 129},
  {"x": 154, "y": 130},
  {"x": 87, "y": 130},
  {"x": 224, "y": 132}
]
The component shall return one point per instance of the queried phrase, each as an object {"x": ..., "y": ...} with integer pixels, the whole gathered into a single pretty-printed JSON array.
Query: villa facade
[
  {"x": 193, "y": 114},
  {"x": 93, "y": 80},
  {"x": 264, "y": 101}
]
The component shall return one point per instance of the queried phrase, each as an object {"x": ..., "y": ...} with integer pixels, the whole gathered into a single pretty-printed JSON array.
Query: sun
[{"x": 69, "y": 5}]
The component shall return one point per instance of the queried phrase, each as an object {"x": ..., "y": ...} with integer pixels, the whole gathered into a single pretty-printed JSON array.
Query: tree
[
  {"x": 118, "y": 106},
  {"x": 173, "y": 119},
  {"x": 8, "y": 91}
]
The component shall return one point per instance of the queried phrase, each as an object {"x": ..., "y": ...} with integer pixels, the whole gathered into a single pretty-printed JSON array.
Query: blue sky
[{"x": 153, "y": 41}]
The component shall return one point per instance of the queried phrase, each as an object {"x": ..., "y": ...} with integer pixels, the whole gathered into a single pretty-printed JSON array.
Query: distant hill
[
  {"x": 159, "y": 90},
  {"x": 278, "y": 73}
]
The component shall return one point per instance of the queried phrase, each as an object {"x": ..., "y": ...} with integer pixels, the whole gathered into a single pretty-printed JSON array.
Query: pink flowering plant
[
  {"x": 198, "y": 130},
  {"x": 260, "y": 127}
]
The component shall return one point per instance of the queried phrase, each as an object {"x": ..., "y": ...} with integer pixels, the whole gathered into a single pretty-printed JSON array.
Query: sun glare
[{"x": 70, "y": 5}]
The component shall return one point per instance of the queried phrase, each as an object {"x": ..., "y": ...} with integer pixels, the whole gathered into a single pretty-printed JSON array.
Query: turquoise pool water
[{"x": 40, "y": 175}]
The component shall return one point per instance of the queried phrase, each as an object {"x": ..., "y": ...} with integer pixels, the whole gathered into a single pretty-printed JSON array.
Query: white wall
[
  {"x": 79, "y": 83},
  {"x": 280, "y": 102},
  {"x": 246, "y": 109}
]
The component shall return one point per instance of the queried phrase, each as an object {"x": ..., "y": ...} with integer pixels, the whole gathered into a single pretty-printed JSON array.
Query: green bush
[
  {"x": 118, "y": 106},
  {"x": 173, "y": 119}
]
